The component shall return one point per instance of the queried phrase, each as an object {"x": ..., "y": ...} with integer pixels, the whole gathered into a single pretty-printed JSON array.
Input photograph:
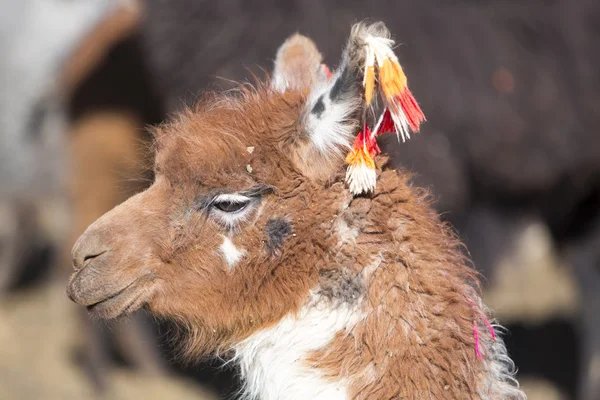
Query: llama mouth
[{"x": 123, "y": 302}]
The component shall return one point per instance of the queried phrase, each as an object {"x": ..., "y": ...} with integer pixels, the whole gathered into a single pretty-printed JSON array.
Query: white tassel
[{"x": 361, "y": 178}]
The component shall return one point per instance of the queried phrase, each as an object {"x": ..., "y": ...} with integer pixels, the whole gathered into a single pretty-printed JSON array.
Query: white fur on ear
[
  {"x": 337, "y": 115},
  {"x": 297, "y": 65},
  {"x": 330, "y": 116}
]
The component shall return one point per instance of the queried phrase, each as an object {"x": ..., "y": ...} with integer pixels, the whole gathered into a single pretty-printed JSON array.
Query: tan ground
[
  {"x": 538, "y": 389},
  {"x": 531, "y": 283},
  {"x": 37, "y": 337}
]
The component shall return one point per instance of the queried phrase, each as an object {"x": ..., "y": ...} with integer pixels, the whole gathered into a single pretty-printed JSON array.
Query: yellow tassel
[
  {"x": 369, "y": 84},
  {"x": 400, "y": 76},
  {"x": 402, "y": 114},
  {"x": 369, "y": 78},
  {"x": 360, "y": 157},
  {"x": 392, "y": 78},
  {"x": 361, "y": 174}
]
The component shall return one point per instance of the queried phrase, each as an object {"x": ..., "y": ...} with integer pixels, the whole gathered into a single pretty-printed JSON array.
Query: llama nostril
[
  {"x": 80, "y": 261},
  {"x": 88, "y": 247},
  {"x": 91, "y": 257}
]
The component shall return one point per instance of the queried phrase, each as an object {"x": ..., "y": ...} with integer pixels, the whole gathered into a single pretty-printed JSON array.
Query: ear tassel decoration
[
  {"x": 361, "y": 174},
  {"x": 401, "y": 115}
]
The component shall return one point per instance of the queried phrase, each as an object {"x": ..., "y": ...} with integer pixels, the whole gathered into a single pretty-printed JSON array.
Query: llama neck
[{"x": 273, "y": 361}]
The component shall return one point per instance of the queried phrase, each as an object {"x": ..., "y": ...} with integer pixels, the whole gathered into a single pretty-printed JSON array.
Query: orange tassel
[
  {"x": 369, "y": 84},
  {"x": 392, "y": 78},
  {"x": 361, "y": 174},
  {"x": 402, "y": 114},
  {"x": 360, "y": 157},
  {"x": 364, "y": 149}
]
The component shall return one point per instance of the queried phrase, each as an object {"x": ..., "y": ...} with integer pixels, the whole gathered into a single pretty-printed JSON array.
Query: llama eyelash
[
  {"x": 231, "y": 209},
  {"x": 231, "y": 197}
]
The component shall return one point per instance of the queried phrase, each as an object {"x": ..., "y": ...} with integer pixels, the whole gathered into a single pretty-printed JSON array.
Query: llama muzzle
[{"x": 111, "y": 278}]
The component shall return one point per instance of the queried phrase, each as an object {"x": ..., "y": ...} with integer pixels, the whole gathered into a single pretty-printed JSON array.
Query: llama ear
[
  {"x": 336, "y": 117},
  {"x": 334, "y": 109},
  {"x": 297, "y": 65}
]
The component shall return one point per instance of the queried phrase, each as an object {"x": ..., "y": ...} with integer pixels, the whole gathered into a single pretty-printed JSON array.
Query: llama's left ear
[{"x": 297, "y": 65}]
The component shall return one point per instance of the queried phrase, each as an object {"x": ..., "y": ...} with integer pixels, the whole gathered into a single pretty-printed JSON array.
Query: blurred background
[{"x": 511, "y": 153}]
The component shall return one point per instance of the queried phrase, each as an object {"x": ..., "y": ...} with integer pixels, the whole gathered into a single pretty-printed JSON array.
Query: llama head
[
  {"x": 230, "y": 236},
  {"x": 252, "y": 222}
]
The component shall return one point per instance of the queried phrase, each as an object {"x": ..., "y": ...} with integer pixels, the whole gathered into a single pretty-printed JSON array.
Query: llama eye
[
  {"x": 231, "y": 203},
  {"x": 230, "y": 206},
  {"x": 232, "y": 209}
]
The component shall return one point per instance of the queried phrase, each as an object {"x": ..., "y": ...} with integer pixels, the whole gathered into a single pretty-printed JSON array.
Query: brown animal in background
[
  {"x": 250, "y": 239},
  {"x": 107, "y": 165}
]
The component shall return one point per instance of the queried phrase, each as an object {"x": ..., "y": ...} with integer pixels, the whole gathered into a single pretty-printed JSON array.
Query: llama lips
[
  {"x": 127, "y": 300},
  {"x": 102, "y": 300}
]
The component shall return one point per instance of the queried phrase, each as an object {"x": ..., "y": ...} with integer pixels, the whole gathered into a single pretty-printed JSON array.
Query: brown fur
[
  {"x": 201, "y": 151},
  {"x": 417, "y": 337},
  {"x": 402, "y": 268}
]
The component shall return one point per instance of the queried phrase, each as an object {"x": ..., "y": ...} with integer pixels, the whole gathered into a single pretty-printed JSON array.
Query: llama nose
[{"x": 86, "y": 249}]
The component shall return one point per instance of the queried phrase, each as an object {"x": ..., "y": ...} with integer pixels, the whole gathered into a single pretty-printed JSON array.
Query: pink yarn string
[
  {"x": 476, "y": 334},
  {"x": 490, "y": 327},
  {"x": 476, "y": 330}
]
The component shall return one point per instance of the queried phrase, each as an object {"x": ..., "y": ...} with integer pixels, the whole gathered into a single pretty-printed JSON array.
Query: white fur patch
[
  {"x": 272, "y": 361},
  {"x": 334, "y": 130},
  {"x": 345, "y": 233},
  {"x": 280, "y": 83},
  {"x": 231, "y": 253}
]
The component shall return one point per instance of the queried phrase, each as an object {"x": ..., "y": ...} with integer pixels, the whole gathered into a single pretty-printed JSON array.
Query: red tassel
[
  {"x": 402, "y": 114},
  {"x": 365, "y": 141},
  {"x": 361, "y": 174},
  {"x": 385, "y": 124},
  {"x": 412, "y": 111}
]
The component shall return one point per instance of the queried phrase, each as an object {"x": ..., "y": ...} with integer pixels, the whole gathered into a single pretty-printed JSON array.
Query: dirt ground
[{"x": 38, "y": 338}]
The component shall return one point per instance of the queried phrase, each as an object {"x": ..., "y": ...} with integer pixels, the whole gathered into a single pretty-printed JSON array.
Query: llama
[{"x": 251, "y": 240}]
